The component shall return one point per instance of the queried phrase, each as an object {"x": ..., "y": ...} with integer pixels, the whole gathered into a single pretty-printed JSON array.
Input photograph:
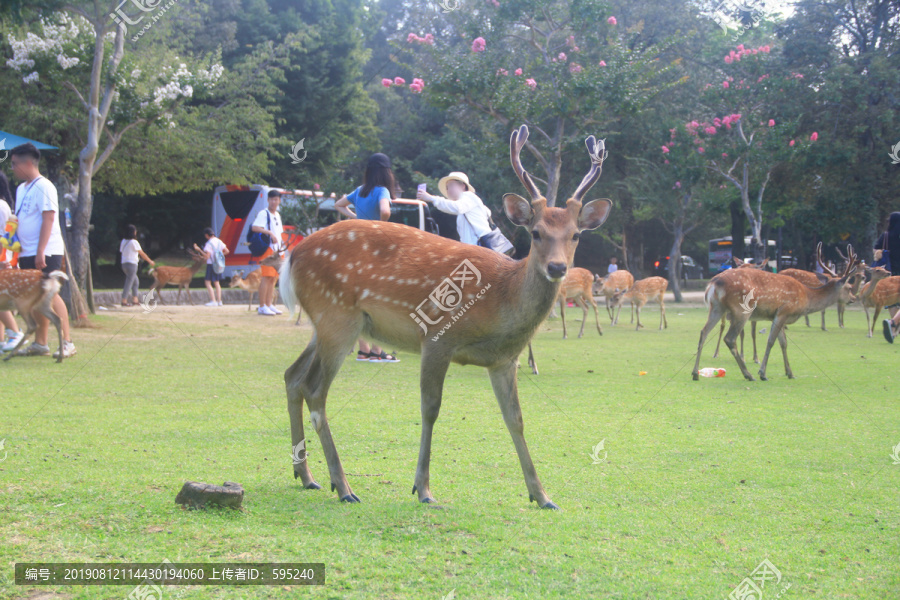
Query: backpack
[
  {"x": 259, "y": 242},
  {"x": 218, "y": 263}
]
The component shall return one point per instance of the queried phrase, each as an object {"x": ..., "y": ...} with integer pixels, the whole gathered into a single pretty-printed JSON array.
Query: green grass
[{"x": 701, "y": 481}]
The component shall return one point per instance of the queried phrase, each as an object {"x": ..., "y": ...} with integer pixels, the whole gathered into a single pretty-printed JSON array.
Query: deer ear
[
  {"x": 518, "y": 210},
  {"x": 822, "y": 277},
  {"x": 593, "y": 214}
]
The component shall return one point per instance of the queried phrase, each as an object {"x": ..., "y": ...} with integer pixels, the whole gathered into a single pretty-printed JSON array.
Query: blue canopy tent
[{"x": 8, "y": 141}]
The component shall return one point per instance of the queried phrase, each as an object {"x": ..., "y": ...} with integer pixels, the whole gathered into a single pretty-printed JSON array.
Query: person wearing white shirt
[
  {"x": 460, "y": 199},
  {"x": 613, "y": 267},
  {"x": 213, "y": 245},
  {"x": 37, "y": 208},
  {"x": 13, "y": 334},
  {"x": 268, "y": 221},
  {"x": 131, "y": 252}
]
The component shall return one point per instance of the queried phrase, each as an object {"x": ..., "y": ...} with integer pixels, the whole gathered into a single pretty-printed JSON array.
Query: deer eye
[
  {"x": 576, "y": 237},
  {"x": 535, "y": 235}
]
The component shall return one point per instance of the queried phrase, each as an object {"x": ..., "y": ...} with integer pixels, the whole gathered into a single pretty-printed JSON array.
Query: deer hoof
[
  {"x": 312, "y": 485},
  {"x": 351, "y": 498},
  {"x": 750, "y": 377},
  {"x": 550, "y": 506},
  {"x": 762, "y": 377},
  {"x": 695, "y": 376},
  {"x": 427, "y": 500}
]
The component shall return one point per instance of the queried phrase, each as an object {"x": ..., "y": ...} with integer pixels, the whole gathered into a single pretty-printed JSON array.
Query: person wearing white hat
[{"x": 460, "y": 199}]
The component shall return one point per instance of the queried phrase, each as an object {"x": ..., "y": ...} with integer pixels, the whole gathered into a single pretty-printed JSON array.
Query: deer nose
[{"x": 556, "y": 270}]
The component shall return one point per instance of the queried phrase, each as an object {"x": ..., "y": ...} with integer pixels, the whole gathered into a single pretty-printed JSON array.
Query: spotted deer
[
  {"x": 180, "y": 276},
  {"x": 249, "y": 283},
  {"x": 883, "y": 290},
  {"x": 29, "y": 291},
  {"x": 756, "y": 295},
  {"x": 448, "y": 301},
  {"x": 741, "y": 264},
  {"x": 608, "y": 286},
  {"x": 577, "y": 286},
  {"x": 643, "y": 291}
]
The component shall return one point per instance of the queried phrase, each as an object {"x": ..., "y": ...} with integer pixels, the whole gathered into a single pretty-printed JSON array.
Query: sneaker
[
  {"x": 275, "y": 310},
  {"x": 68, "y": 350},
  {"x": 383, "y": 357},
  {"x": 34, "y": 349},
  {"x": 211, "y": 303},
  {"x": 265, "y": 311},
  {"x": 12, "y": 340},
  {"x": 220, "y": 304},
  {"x": 888, "y": 330}
]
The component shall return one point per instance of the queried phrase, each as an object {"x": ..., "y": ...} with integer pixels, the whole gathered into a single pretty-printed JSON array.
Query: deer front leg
[
  {"x": 158, "y": 289},
  {"x": 823, "y": 321},
  {"x": 737, "y": 326},
  {"x": 753, "y": 334},
  {"x": 776, "y": 329},
  {"x": 431, "y": 383},
  {"x": 638, "y": 310},
  {"x": 597, "y": 317},
  {"x": 721, "y": 333},
  {"x": 292, "y": 378},
  {"x": 531, "y": 362},
  {"x": 187, "y": 292},
  {"x": 875, "y": 313},
  {"x": 503, "y": 380},
  {"x": 584, "y": 314},
  {"x": 662, "y": 311},
  {"x": 710, "y": 324},
  {"x": 782, "y": 341}
]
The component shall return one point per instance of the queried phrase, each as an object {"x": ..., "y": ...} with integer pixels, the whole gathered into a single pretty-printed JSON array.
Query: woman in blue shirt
[{"x": 372, "y": 201}]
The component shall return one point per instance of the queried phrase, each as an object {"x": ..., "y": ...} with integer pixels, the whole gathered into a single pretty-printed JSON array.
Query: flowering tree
[
  {"x": 563, "y": 69},
  {"x": 745, "y": 147}
]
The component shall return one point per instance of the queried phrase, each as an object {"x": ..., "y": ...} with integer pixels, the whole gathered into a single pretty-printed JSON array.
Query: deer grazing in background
[
  {"x": 449, "y": 301},
  {"x": 617, "y": 281},
  {"x": 180, "y": 276},
  {"x": 882, "y": 290},
  {"x": 578, "y": 287},
  {"x": 643, "y": 291},
  {"x": 756, "y": 295},
  {"x": 249, "y": 283},
  {"x": 29, "y": 291}
]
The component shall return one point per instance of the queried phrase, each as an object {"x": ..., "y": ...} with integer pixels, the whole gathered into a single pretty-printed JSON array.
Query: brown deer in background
[
  {"x": 249, "y": 283},
  {"x": 180, "y": 276},
  {"x": 578, "y": 286},
  {"x": 741, "y": 264},
  {"x": 449, "y": 301},
  {"x": 883, "y": 290},
  {"x": 755, "y": 295},
  {"x": 643, "y": 291},
  {"x": 617, "y": 281}
]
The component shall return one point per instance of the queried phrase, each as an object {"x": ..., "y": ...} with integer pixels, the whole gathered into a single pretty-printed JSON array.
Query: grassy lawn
[{"x": 699, "y": 482}]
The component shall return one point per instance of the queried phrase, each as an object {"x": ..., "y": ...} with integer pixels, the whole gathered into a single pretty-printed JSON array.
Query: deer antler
[
  {"x": 516, "y": 142},
  {"x": 852, "y": 262},
  {"x": 821, "y": 263},
  {"x": 598, "y": 153}
]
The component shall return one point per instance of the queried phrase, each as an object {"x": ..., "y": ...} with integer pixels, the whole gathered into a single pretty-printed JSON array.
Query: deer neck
[
  {"x": 823, "y": 296},
  {"x": 532, "y": 294}
]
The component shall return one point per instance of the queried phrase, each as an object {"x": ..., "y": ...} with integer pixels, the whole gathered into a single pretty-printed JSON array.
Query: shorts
[
  {"x": 211, "y": 275},
  {"x": 54, "y": 263},
  {"x": 266, "y": 270}
]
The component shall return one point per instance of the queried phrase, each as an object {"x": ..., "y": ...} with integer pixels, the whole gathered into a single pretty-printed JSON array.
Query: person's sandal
[
  {"x": 384, "y": 357},
  {"x": 126, "y": 303},
  {"x": 888, "y": 330},
  {"x": 363, "y": 356}
]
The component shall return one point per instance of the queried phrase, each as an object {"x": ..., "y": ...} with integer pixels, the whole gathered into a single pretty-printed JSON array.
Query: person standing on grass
[
  {"x": 613, "y": 267},
  {"x": 131, "y": 251},
  {"x": 7, "y": 320},
  {"x": 269, "y": 222},
  {"x": 372, "y": 201},
  {"x": 460, "y": 200},
  {"x": 37, "y": 208},
  {"x": 213, "y": 245}
]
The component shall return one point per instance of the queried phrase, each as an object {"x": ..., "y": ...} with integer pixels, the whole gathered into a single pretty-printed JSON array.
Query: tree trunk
[
  {"x": 675, "y": 260},
  {"x": 738, "y": 229}
]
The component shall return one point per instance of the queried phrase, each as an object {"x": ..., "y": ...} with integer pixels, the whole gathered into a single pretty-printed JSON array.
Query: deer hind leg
[
  {"x": 875, "y": 313},
  {"x": 531, "y": 362},
  {"x": 721, "y": 333},
  {"x": 187, "y": 292},
  {"x": 662, "y": 311},
  {"x": 250, "y": 301},
  {"x": 596, "y": 315},
  {"x": 807, "y": 319},
  {"x": 309, "y": 378},
  {"x": 823, "y": 321},
  {"x": 156, "y": 286},
  {"x": 753, "y": 334},
  {"x": 711, "y": 320},
  {"x": 47, "y": 311},
  {"x": 30, "y": 327},
  {"x": 562, "y": 315},
  {"x": 776, "y": 330},
  {"x": 584, "y": 313},
  {"x": 840, "y": 311},
  {"x": 619, "y": 310},
  {"x": 433, "y": 371},
  {"x": 503, "y": 380},
  {"x": 638, "y": 326},
  {"x": 737, "y": 325},
  {"x": 782, "y": 341}
]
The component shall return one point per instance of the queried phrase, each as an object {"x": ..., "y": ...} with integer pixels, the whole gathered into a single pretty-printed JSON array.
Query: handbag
[
  {"x": 258, "y": 241},
  {"x": 883, "y": 255},
  {"x": 494, "y": 240}
]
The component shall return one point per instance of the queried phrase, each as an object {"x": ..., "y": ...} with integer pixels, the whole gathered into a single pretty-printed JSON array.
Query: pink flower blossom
[
  {"x": 478, "y": 44},
  {"x": 701, "y": 150},
  {"x": 415, "y": 88},
  {"x": 814, "y": 136},
  {"x": 531, "y": 83},
  {"x": 665, "y": 162},
  {"x": 677, "y": 185},
  {"x": 766, "y": 48},
  {"x": 602, "y": 63},
  {"x": 412, "y": 37},
  {"x": 518, "y": 71},
  {"x": 665, "y": 149},
  {"x": 399, "y": 81},
  {"x": 728, "y": 60},
  {"x": 740, "y": 47},
  {"x": 429, "y": 39},
  {"x": 611, "y": 21},
  {"x": 725, "y": 84},
  {"x": 575, "y": 68},
  {"x": 791, "y": 143},
  {"x": 502, "y": 72},
  {"x": 418, "y": 82},
  {"x": 316, "y": 186},
  {"x": 754, "y": 51},
  {"x": 575, "y": 48},
  {"x": 710, "y": 130},
  {"x": 386, "y": 82},
  {"x": 771, "y": 122},
  {"x": 724, "y": 155},
  {"x": 495, "y": 3},
  {"x": 570, "y": 41},
  {"x": 562, "y": 56}
]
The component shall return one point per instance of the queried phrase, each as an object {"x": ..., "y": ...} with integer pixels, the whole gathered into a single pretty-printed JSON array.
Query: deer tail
[
  {"x": 53, "y": 281},
  {"x": 714, "y": 287},
  {"x": 286, "y": 285}
]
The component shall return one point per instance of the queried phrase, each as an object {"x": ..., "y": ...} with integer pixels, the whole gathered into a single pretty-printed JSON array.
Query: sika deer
[
  {"x": 644, "y": 290},
  {"x": 249, "y": 283},
  {"x": 617, "y": 281},
  {"x": 778, "y": 298},
  {"x": 180, "y": 276},
  {"x": 883, "y": 290},
  {"x": 419, "y": 292},
  {"x": 577, "y": 286},
  {"x": 27, "y": 291}
]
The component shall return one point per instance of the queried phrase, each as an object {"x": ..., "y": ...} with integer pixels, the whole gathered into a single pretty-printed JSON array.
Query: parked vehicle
[{"x": 689, "y": 268}]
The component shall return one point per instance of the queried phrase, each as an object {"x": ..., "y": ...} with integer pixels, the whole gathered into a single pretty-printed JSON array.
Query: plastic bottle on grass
[{"x": 711, "y": 372}]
